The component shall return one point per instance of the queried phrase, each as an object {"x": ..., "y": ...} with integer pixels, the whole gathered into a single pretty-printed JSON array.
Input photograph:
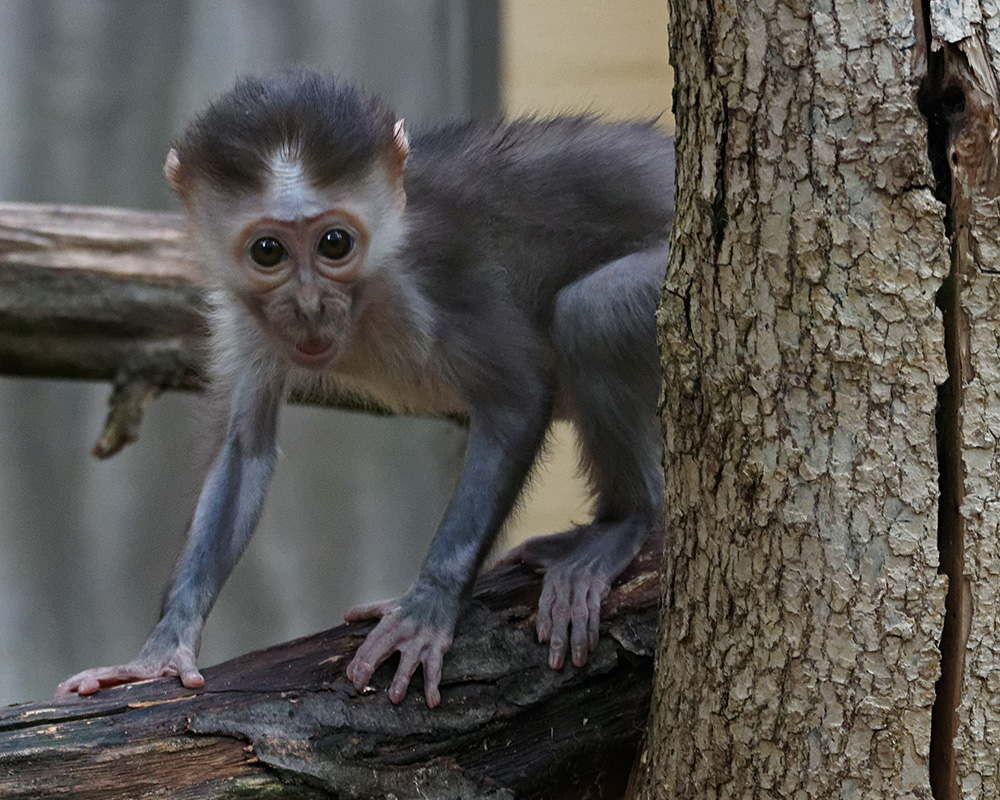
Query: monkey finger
[
  {"x": 71, "y": 686},
  {"x": 184, "y": 664},
  {"x": 557, "y": 650},
  {"x": 361, "y": 669},
  {"x": 81, "y": 683},
  {"x": 192, "y": 679},
  {"x": 545, "y": 601},
  {"x": 408, "y": 662},
  {"x": 375, "y": 649},
  {"x": 67, "y": 687},
  {"x": 91, "y": 680},
  {"x": 595, "y": 594},
  {"x": 432, "y": 676},
  {"x": 560, "y": 633},
  {"x": 91, "y": 683}
]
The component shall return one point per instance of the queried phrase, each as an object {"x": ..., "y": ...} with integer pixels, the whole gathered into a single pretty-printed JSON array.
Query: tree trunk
[{"x": 801, "y": 636}]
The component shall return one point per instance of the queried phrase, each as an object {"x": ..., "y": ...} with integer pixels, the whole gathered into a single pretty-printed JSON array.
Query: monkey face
[
  {"x": 302, "y": 272},
  {"x": 294, "y": 253}
]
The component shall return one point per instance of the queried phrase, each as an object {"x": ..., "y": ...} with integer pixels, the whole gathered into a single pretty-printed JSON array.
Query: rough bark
[
  {"x": 802, "y": 353},
  {"x": 285, "y": 722}
]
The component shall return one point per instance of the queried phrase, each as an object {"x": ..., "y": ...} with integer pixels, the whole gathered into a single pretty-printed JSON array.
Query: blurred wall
[{"x": 586, "y": 55}]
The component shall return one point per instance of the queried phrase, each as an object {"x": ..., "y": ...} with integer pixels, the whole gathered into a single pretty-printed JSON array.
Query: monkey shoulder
[
  {"x": 543, "y": 159},
  {"x": 531, "y": 205}
]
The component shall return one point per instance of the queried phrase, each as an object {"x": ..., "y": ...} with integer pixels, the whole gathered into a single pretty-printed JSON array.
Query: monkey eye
[
  {"x": 267, "y": 252},
  {"x": 336, "y": 244}
]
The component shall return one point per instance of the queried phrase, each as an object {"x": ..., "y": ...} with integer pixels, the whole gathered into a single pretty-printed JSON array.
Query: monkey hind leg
[
  {"x": 605, "y": 338},
  {"x": 609, "y": 377}
]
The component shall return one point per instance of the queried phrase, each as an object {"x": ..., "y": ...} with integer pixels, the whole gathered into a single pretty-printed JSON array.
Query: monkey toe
[{"x": 569, "y": 614}]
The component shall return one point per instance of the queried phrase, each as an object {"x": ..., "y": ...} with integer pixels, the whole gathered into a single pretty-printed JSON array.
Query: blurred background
[{"x": 91, "y": 93}]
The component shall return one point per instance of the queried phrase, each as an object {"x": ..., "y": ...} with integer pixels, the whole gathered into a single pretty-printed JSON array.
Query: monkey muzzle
[{"x": 313, "y": 352}]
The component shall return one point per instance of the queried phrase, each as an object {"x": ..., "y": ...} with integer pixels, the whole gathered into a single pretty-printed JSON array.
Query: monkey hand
[
  {"x": 420, "y": 626},
  {"x": 578, "y": 569},
  {"x": 180, "y": 662}
]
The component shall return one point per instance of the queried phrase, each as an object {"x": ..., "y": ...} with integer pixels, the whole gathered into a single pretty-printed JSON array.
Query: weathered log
[
  {"x": 285, "y": 722},
  {"x": 94, "y": 292}
]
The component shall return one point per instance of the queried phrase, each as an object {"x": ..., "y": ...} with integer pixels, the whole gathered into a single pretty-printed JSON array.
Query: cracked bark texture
[{"x": 802, "y": 352}]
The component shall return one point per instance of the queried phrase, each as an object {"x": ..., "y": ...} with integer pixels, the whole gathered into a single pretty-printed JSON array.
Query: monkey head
[{"x": 294, "y": 202}]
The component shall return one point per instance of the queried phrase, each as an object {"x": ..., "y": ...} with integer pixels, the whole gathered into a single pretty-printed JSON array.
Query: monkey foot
[
  {"x": 401, "y": 627},
  {"x": 578, "y": 568},
  {"x": 181, "y": 663}
]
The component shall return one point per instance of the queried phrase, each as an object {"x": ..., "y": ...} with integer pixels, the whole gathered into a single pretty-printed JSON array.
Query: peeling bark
[
  {"x": 802, "y": 353},
  {"x": 96, "y": 293}
]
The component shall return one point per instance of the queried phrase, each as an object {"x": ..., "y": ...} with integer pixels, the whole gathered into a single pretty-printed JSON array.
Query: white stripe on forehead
[{"x": 290, "y": 194}]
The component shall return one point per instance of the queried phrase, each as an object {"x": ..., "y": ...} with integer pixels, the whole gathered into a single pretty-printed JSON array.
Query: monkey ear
[
  {"x": 400, "y": 145},
  {"x": 399, "y": 150},
  {"x": 174, "y": 171}
]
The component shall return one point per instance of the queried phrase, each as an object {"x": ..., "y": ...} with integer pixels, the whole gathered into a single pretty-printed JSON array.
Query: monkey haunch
[{"x": 510, "y": 271}]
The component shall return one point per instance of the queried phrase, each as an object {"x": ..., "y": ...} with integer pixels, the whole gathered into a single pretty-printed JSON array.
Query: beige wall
[{"x": 606, "y": 56}]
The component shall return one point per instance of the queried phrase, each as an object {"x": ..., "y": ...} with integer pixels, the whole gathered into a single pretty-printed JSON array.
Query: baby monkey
[{"x": 508, "y": 271}]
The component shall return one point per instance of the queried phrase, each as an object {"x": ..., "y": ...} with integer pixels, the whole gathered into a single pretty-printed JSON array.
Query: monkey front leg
[
  {"x": 224, "y": 519},
  {"x": 421, "y": 624}
]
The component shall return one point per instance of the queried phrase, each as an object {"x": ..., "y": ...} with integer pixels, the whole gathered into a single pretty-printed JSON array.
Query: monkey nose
[{"x": 309, "y": 309}]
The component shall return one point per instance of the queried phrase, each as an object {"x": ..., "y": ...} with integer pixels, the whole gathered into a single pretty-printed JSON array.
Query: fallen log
[
  {"x": 285, "y": 722},
  {"x": 92, "y": 292}
]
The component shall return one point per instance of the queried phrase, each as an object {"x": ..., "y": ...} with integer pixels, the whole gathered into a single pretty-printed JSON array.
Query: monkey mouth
[{"x": 313, "y": 352}]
